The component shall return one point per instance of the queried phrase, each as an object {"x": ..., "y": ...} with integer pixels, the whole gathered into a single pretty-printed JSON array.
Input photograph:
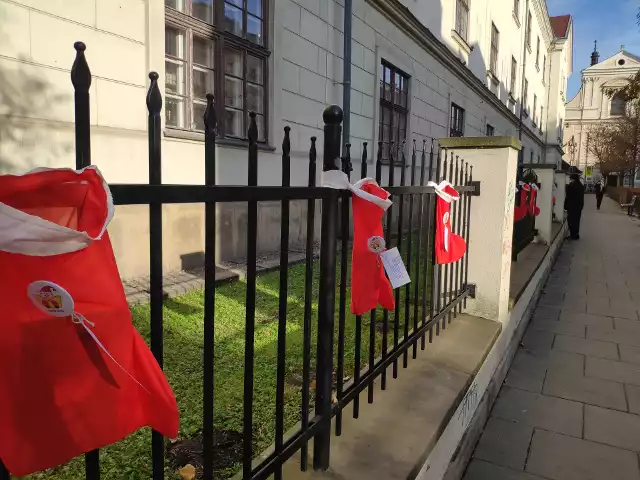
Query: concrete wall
[
  {"x": 546, "y": 177},
  {"x": 125, "y": 40},
  {"x": 560, "y": 191},
  {"x": 451, "y": 454}
]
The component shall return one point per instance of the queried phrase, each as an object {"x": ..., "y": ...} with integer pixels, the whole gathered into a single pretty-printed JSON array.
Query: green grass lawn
[{"x": 183, "y": 347}]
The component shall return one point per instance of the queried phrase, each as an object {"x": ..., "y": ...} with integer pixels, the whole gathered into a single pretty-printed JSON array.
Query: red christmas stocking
[
  {"x": 533, "y": 208},
  {"x": 520, "y": 211},
  {"x": 449, "y": 247},
  {"x": 369, "y": 284}
]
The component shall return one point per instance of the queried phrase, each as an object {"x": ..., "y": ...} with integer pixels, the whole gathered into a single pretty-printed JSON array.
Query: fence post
[
  {"x": 327, "y": 294},
  {"x": 81, "y": 80},
  {"x": 210, "y": 127},
  {"x": 544, "y": 200},
  {"x": 495, "y": 162},
  {"x": 156, "y": 296},
  {"x": 561, "y": 182}
]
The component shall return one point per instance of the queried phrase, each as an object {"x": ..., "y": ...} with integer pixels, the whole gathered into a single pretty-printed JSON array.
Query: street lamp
[{"x": 571, "y": 147}]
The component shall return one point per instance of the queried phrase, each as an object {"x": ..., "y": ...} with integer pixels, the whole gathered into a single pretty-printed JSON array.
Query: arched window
[{"x": 618, "y": 104}]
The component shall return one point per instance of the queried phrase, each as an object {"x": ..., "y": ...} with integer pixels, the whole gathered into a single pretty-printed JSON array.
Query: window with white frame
[
  {"x": 560, "y": 130},
  {"x": 514, "y": 76},
  {"x": 462, "y": 19},
  {"x": 205, "y": 41},
  {"x": 538, "y": 53},
  {"x": 394, "y": 107},
  {"x": 618, "y": 104},
  {"x": 490, "y": 130},
  {"x": 493, "y": 61},
  {"x": 457, "y": 121},
  {"x": 528, "y": 30}
]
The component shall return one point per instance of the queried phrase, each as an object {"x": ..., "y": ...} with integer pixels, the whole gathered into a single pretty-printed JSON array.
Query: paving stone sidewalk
[{"x": 570, "y": 406}]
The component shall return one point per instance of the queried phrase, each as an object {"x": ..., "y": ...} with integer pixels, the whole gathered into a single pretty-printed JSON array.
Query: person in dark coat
[
  {"x": 573, "y": 203},
  {"x": 599, "y": 194}
]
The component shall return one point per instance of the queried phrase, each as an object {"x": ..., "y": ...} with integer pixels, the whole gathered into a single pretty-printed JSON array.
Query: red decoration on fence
[
  {"x": 76, "y": 374},
  {"x": 528, "y": 194},
  {"x": 369, "y": 283},
  {"x": 449, "y": 247},
  {"x": 534, "y": 210}
]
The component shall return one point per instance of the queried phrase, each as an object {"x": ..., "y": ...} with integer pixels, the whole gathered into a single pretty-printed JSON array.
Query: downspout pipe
[
  {"x": 346, "y": 74},
  {"x": 547, "y": 80},
  {"x": 522, "y": 99}
]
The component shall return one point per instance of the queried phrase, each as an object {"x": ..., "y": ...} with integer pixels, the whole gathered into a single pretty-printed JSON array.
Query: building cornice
[
  {"x": 544, "y": 23},
  {"x": 402, "y": 17},
  {"x": 613, "y": 71},
  {"x": 555, "y": 146},
  {"x": 558, "y": 44},
  {"x": 590, "y": 121}
]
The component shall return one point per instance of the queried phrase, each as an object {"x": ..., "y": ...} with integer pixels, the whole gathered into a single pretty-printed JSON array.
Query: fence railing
[{"x": 424, "y": 307}]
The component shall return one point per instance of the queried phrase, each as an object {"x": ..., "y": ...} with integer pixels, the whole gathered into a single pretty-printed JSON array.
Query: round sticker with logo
[
  {"x": 376, "y": 244},
  {"x": 51, "y": 298}
]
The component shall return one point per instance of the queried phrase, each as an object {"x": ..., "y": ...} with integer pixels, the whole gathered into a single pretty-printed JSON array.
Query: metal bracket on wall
[
  {"x": 472, "y": 288},
  {"x": 476, "y": 184}
]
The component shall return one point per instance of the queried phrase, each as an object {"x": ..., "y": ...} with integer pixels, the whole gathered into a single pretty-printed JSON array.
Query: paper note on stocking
[{"x": 394, "y": 266}]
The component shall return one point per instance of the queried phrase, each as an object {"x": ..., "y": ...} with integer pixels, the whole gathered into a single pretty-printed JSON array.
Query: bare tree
[{"x": 613, "y": 145}]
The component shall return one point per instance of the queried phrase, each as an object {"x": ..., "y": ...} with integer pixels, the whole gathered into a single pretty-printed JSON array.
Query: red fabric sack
[{"x": 75, "y": 374}]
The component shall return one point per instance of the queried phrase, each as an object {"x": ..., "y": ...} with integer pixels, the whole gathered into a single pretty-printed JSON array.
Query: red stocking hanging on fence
[
  {"x": 370, "y": 286},
  {"x": 534, "y": 210},
  {"x": 520, "y": 211},
  {"x": 449, "y": 247},
  {"x": 74, "y": 372}
]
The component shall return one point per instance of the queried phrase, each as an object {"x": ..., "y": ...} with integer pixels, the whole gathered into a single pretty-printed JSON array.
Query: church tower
[{"x": 595, "y": 56}]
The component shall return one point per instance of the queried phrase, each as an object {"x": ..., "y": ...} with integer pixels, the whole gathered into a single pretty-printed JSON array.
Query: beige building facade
[
  {"x": 419, "y": 71},
  {"x": 592, "y": 105}
]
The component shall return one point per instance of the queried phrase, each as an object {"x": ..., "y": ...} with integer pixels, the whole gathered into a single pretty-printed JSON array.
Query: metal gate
[{"x": 424, "y": 307}]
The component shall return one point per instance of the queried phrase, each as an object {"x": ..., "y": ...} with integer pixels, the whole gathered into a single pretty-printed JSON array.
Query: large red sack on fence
[{"x": 75, "y": 375}]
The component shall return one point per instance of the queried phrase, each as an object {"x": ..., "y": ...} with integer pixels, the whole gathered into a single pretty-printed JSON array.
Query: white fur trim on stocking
[
  {"x": 439, "y": 188},
  {"x": 339, "y": 180}
]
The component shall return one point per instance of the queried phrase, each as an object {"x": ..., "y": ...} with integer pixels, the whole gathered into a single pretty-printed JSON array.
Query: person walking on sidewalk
[
  {"x": 599, "y": 194},
  {"x": 573, "y": 204}
]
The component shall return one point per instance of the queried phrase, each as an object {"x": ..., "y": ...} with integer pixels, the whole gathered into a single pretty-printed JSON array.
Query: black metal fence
[{"x": 424, "y": 307}]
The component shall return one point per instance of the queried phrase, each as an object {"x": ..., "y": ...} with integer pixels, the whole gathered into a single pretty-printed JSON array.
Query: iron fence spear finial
[
  {"x": 80, "y": 73},
  {"x": 154, "y": 98}
]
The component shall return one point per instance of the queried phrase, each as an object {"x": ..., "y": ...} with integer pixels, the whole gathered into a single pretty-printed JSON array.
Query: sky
[{"x": 611, "y": 22}]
